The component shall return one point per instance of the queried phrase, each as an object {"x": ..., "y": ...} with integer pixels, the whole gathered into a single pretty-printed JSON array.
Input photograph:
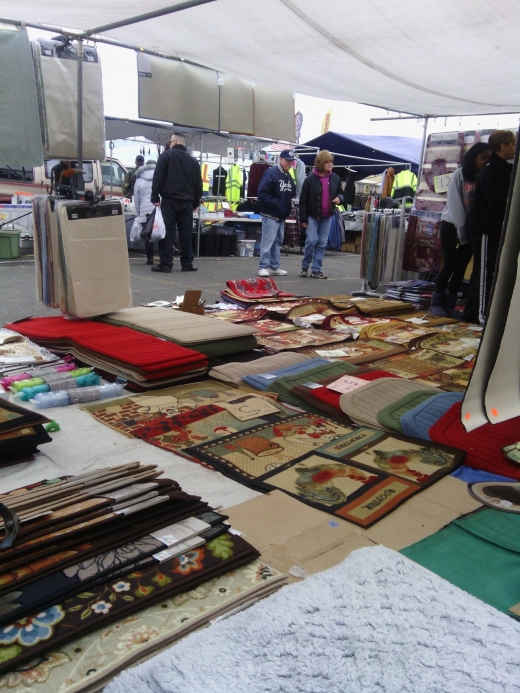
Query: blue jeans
[
  {"x": 316, "y": 242},
  {"x": 272, "y": 239}
]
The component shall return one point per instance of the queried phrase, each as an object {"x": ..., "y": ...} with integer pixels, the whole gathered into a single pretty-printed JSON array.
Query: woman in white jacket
[
  {"x": 455, "y": 242},
  {"x": 142, "y": 202}
]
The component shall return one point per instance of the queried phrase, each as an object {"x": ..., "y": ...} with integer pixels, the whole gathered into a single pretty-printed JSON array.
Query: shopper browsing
[
  {"x": 129, "y": 181},
  {"x": 321, "y": 191},
  {"x": 177, "y": 188},
  {"x": 485, "y": 222},
  {"x": 142, "y": 201},
  {"x": 275, "y": 194},
  {"x": 455, "y": 240}
]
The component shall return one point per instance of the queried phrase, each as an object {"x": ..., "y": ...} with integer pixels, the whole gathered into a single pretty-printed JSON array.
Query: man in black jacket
[
  {"x": 485, "y": 220},
  {"x": 275, "y": 194},
  {"x": 178, "y": 182}
]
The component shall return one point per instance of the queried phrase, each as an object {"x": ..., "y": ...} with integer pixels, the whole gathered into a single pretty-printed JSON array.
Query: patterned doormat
[
  {"x": 89, "y": 662},
  {"x": 358, "y": 474}
]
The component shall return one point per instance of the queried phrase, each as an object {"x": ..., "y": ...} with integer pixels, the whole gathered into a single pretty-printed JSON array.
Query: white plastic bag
[
  {"x": 135, "y": 231},
  {"x": 159, "y": 229}
]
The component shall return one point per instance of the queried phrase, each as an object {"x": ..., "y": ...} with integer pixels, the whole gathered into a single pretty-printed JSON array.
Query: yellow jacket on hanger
[
  {"x": 204, "y": 172},
  {"x": 234, "y": 183}
]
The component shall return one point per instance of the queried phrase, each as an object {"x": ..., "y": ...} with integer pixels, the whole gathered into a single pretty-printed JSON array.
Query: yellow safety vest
[
  {"x": 234, "y": 183},
  {"x": 405, "y": 184},
  {"x": 204, "y": 172},
  {"x": 292, "y": 173}
]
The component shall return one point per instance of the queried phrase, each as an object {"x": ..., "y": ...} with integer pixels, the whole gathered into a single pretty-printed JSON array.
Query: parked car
[{"x": 37, "y": 181}]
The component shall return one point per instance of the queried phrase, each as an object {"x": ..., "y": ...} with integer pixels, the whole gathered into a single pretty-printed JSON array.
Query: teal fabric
[
  {"x": 20, "y": 131},
  {"x": 480, "y": 553}
]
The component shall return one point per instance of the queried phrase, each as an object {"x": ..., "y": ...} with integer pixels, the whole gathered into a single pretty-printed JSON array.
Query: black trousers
[
  {"x": 177, "y": 214},
  {"x": 455, "y": 259},
  {"x": 485, "y": 253}
]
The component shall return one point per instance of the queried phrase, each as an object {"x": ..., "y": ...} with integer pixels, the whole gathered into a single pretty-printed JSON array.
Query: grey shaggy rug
[{"x": 376, "y": 623}]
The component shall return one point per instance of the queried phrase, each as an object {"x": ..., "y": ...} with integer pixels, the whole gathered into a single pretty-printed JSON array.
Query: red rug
[
  {"x": 257, "y": 288},
  {"x": 152, "y": 356},
  {"x": 483, "y": 446}
]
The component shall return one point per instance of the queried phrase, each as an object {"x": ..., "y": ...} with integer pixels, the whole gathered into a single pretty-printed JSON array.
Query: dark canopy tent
[{"x": 384, "y": 148}]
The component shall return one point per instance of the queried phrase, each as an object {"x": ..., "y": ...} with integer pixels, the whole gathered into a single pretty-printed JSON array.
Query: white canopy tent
[{"x": 426, "y": 57}]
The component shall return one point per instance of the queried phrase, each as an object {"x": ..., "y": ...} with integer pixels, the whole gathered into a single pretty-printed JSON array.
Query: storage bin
[
  {"x": 9, "y": 241},
  {"x": 246, "y": 248}
]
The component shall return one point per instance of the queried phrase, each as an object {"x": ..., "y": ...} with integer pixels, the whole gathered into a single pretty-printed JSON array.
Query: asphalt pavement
[{"x": 18, "y": 284}]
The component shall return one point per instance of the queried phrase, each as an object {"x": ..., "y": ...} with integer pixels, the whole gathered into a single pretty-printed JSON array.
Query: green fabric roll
[
  {"x": 480, "y": 553},
  {"x": 282, "y": 385},
  {"x": 390, "y": 416}
]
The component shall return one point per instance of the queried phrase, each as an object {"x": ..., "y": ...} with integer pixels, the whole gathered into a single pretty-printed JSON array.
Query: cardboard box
[
  {"x": 291, "y": 534},
  {"x": 191, "y": 303}
]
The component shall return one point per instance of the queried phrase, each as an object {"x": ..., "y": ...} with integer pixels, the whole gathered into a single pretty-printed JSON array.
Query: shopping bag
[
  {"x": 159, "y": 229},
  {"x": 135, "y": 231},
  {"x": 146, "y": 231}
]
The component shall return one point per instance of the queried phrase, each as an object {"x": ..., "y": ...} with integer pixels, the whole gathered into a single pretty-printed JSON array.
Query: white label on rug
[
  {"x": 475, "y": 328},
  {"x": 469, "y": 357},
  {"x": 312, "y": 386},
  {"x": 417, "y": 321},
  {"x": 236, "y": 532},
  {"x": 267, "y": 376},
  {"x": 346, "y": 383}
]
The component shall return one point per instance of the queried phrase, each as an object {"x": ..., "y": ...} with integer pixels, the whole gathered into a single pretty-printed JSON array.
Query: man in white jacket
[{"x": 142, "y": 202}]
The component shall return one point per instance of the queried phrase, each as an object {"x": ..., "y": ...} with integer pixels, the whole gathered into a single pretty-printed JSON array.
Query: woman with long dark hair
[{"x": 455, "y": 241}]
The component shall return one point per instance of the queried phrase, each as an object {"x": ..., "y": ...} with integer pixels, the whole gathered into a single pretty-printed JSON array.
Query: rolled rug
[{"x": 417, "y": 421}]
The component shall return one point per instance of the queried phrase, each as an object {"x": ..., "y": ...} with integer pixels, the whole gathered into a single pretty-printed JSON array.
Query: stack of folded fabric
[
  {"x": 308, "y": 337},
  {"x": 207, "y": 336},
  {"x": 145, "y": 361},
  {"x": 397, "y": 332},
  {"x": 245, "y": 292},
  {"x": 326, "y": 397},
  {"x": 21, "y": 431},
  {"x": 261, "y": 381},
  {"x": 418, "y": 363},
  {"x": 234, "y": 372},
  {"x": 381, "y": 403},
  {"x": 282, "y": 385},
  {"x": 98, "y": 554},
  {"x": 417, "y": 292},
  {"x": 363, "y": 350}
]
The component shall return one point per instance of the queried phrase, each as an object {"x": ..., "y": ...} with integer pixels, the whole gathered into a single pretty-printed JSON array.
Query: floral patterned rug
[{"x": 88, "y": 663}]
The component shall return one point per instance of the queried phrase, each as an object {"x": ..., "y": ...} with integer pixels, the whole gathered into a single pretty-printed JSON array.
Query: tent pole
[
  {"x": 199, "y": 221},
  {"x": 423, "y": 150},
  {"x": 79, "y": 59}
]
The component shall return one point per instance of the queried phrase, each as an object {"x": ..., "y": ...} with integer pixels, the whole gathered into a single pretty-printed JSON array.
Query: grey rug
[{"x": 376, "y": 623}]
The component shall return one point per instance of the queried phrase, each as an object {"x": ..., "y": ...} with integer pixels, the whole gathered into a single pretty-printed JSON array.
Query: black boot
[
  {"x": 149, "y": 260},
  {"x": 437, "y": 305},
  {"x": 451, "y": 302}
]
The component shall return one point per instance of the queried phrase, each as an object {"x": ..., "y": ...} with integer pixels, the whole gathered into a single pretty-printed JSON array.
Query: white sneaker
[
  {"x": 263, "y": 273},
  {"x": 279, "y": 272}
]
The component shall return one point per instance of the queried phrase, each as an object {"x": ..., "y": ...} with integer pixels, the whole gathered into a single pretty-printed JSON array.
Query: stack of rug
[
  {"x": 21, "y": 431},
  {"x": 207, "y": 336},
  {"x": 99, "y": 554},
  {"x": 245, "y": 292},
  {"x": 144, "y": 360}
]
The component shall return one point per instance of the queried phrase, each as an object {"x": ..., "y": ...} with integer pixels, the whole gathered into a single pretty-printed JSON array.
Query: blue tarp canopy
[{"x": 383, "y": 147}]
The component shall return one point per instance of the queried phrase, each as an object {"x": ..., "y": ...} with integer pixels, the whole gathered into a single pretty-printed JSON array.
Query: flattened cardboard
[{"x": 290, "y": 533}]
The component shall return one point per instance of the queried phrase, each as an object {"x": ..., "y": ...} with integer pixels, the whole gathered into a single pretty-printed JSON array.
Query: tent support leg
[{"x": 79, "y": 58}]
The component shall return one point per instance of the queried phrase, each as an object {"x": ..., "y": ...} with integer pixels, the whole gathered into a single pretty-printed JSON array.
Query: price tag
[{"x": 440, "y": 183}]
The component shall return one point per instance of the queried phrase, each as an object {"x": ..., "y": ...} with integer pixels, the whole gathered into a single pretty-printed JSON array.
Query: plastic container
[
  {"x": 9, "y": 244},
  {"x": 44, "y": 400},
  {"x": 245, "y": 248}
]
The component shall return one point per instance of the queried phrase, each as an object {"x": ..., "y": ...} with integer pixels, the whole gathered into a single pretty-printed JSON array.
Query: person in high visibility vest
[
  {"x": 405, "y": 184},
  {"x": 204, "y": 172}
]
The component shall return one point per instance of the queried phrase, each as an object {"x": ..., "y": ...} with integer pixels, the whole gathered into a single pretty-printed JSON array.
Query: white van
[{"x": 37, "y": 181}]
